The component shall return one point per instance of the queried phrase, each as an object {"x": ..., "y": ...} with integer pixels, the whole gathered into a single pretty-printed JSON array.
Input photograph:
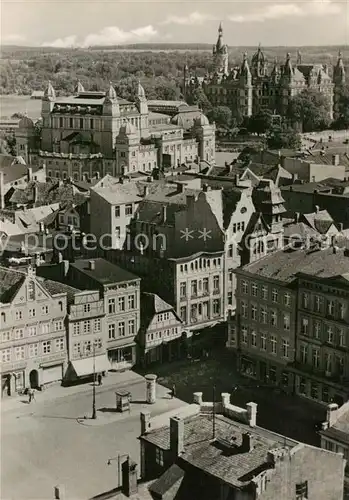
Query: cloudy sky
[{"x": 67, "y": 23}]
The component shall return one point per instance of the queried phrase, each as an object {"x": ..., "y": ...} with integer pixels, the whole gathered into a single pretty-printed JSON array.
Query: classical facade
[
  {"x": 93, "y": 133},
  {"x": 255, "y": 85}
]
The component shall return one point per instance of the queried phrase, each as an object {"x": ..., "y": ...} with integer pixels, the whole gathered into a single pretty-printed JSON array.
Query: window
[
  {"x": 87, "y": 346},
  {"x": 254, "y": 289},
  {"x": 253, "y": 312},
  {"x": 230, "y": 275},
  {"x": 87, "y": 308},
  {"x": 244, "y": 335},
  {"x": 121, "y": 303},
  {"x": 341, "y": 337},
  {"x": 230, "y": 298},
  {"x": 205, "y": 287},
  {"x": 71, "y": 123},
  {"x": 314, "y": 393},
  {"x": 131, "y": 327},
  {"x": 273, "y": 343},
  {"x": 159, "y": 457},
  {"x": 45, "y": 328},
  {"x": 305, "y": 300},
  {"x": 77, "y": 349},
  {"x": 183, "y": 313},
  {"x": 91, "y": 122},
  {"x": 341, "y": 310},
  {"x": 328, "y": 362},
  {"x": 3, "y": 318},
  {"x": 20, "y": 352},
  {"x": 121, "y": 328},
  {"x": 230, "y": 251},
  {"x": 19, "y": 333},
  {"x": 305, "y": 326},
  {"x": 33, "y": 350},
  {"x": 263, "y": 315},
  {"x": 287, "y": 299},
  {"x": 6, "y": 336},
  {"x": 285, "y": 348},
  {"x": 18, "y": 315},
  {"x": 317, "y": 303},
  {"x": 263, "y": 342},
  {"x": 330, "y": 334},
  {"x": 244, "y": 287},
  {"x": 131, "y": 301},
  {"x": 317, "y": 329},
  {"x": 60, "y": 344},
  {"x": 264, "y": 292},
  {"x": 315, "y": 357},
  {"x": 216, "y": 307},
  {"x": 76, "y": 328},
  {"x": 253, "y": 338},
  {"x": 286, "y": 321},
  {"x": 46, "y": 347},
  {"x": 97, "y": 325},
  {"x": 5, "y": 355},
  {"x": 215, "y": 284},
  {"x": 31, "y": 290},
  {"x": 302, "y": 385},
  {"x": 128, "y": 209},
  {"x": 44, "y": 309},
  {"x": 274, "y": 295},
  {"x": 111, "y": 306},
  {"x": 244, "y": 309},
  {"x": 31, "y": 331},
  {"x": 87, "y": 326},
  {"x": 330, "y": 307},
  {"x": 273, "y": 317},
  {"x": 58, "y": 325},
  {"x": 304, "y": 353},
  {"x": 111, "y": 330},
  {"x": 183, "y": 290},
  {"x": 32, "y": 313},
  {"x": 194, "y": 288}
]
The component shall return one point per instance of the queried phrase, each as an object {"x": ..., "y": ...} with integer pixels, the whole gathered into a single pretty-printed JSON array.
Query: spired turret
[
  {"x": 220, "y": 54},
  {"x": 142, "y": 104},
  {"x": 339, "y": 71}
]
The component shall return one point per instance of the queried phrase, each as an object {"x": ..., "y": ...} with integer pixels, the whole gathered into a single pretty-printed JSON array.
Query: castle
[
  {"x": 91, "y": 134},
  {"x": 254, "y": 86}
]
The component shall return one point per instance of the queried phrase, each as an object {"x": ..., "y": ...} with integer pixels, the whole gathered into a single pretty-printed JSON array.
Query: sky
[{"x": 82, "y": 23}]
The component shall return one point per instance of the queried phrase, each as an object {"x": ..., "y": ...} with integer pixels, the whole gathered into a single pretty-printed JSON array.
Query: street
[{"x": 45, "y": 444}]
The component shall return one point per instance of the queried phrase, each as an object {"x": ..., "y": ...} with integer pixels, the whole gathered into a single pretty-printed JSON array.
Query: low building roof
[{"x": 104, "y": 272}]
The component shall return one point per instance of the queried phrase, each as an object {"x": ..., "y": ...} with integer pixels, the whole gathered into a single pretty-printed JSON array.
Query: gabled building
[{"x": 160, "y": 334}]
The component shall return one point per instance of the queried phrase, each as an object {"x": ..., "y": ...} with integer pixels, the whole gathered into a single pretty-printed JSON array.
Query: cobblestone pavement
[{"x": 48, "y": 443}]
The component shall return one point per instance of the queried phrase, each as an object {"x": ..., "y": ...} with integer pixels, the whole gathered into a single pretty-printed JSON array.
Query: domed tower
[
  {"x": 205, "y": 135},
  {"x": 220, "y": 54},
  {"x": 126, "y": 149},
  {"x": 111, "y": 117},
  {"x": 142, "y": 105},
  {"x": 245, "y": 99},
  {"x": 339, "y": 81},
  {"x": 258, "y": 63},
  {"x": 47, "y": 105}
]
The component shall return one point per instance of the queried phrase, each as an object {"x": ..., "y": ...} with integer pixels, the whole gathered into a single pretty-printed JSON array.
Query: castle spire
[
  {"x": 111, "y": 94},
  {"x": 140, "y": 92},
  {"x": 288, "y": 65},
  {"x": 50, "y": 93},
  {"x": 220, "y": 29}
]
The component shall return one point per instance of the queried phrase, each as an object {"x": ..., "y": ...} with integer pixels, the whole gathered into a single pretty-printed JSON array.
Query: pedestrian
[
  {"x": 99, "y": 379},
  {"x": 31, "y": 395},
  {"x": 173, "y": 392}
]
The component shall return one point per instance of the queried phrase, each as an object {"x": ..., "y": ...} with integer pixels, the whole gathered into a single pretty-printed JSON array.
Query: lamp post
[{"x": 94, "y": 414}]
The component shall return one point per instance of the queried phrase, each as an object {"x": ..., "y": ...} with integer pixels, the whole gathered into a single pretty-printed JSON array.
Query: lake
[{"x": 10, "y": 104}]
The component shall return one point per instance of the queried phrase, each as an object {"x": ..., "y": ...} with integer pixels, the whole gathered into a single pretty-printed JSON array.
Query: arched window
[
  {"x": 3, "y": 317},
  {"x": 60, "y": 303}
]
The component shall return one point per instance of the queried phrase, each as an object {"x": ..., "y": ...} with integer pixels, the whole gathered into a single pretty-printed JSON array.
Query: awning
[{"x": 85, "y": 366}]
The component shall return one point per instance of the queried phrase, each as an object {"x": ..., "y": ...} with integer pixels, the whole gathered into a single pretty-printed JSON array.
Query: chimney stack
[
  {"x": 330, "y": 414},
  {"x": 340, "y": 227},
  {"x": 297, "y": 216},
  {"x": 335, "y": 160},
  {"x": 129, "y": 478},
  {"x": 317, "y": 208},
  {"x": 252, "y": 414},
  {"x": 145, "y": 191},
  {"x": 246, "y": 445},
  {"x": 145, "y": 422},
  {"x": 91, "y": 265},
  {"x": 180, "y": 187},
  {"x": 30, "y": 174},
  {"x": 164, "y": 213},
  {"x": 190, "y": 200},
  {"x": 176, "y": 436},
  {"x": 205, "y": 188}
]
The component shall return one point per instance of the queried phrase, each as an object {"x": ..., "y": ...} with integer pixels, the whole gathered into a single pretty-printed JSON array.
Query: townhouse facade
[
  {"x": 33, "y": 331},
  {"x": 291, "y": 322}
]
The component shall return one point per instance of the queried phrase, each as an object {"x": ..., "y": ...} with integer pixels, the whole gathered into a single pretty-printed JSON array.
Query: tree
[
  {"x": 342, "y": 121},
  {"x": 222, "y": 115},
  {"x": 310, "y": 109},
  {"x": 259, "y": 123},
  {"x": 198, "y": 97},
  {"x": 280, "y": 137}
]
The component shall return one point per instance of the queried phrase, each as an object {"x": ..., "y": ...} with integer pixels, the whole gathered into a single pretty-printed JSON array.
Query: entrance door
[
  {"x": 5, "y": 385},
  {"x": 34, "y": 379}
]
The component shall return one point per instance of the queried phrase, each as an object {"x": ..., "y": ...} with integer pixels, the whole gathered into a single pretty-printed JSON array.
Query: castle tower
[
  {"x": 220, "y": 54},
  {"x": 47, "y": 105},
  {"x": 258, "y": 63},
  {"x": 205, "y": 135},
  {"x": 286, "y": 83},
  {"x": 111, "y": 119},
  {"x": 126, "y": 149},
  {"x": 245, "y": 89},
  {"x": 142, "y": 105},
  {"x": 339, "y": 81},
  {"x": 25, "y": 138}
]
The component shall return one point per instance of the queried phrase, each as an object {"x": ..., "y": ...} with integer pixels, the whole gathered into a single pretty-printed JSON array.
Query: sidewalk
[{"x": 117, "y": 379}]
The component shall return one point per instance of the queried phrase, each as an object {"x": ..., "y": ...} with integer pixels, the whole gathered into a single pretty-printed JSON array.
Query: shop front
[
  {"x": 123, "y": 357},
  {"x": 82, "y": 368},
  {"x": 13, "y": 379}
]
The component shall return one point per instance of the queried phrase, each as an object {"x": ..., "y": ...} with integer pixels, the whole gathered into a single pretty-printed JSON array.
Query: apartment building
[
  {"x": 292, "y": 326},
  {"x": 160, "y": 333},
  {"x": 32, "y": 330},
  {"x": 217, "y": 450}
]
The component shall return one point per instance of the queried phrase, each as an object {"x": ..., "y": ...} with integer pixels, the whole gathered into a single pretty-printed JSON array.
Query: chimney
[
  {"x": 176, "y": 436},
  {"x": 205, "y": 188},
  {"x": 35, "y": 193},
  {"x": 91, "y": 265},
  {"x": 246, "y": 445},
  {"x": 252, "y": 414},
  {"x": 145, "y": 422},
  {"x": 150, "y": 178},
  {"x": 317, "y": 208},
  {"x": 129, "y": 478},
  {"x": 190, "y": 200},
  {"x": 237, "y": 179},
  {"x": 294, "y": 177},
  {"x": 180, "y": 187},
  {"x": 146, "y": 191},
  {"x": 335, "y": 160},
  {"x": 30, "y": 174},
  {"x": 330, "y": 414},
  {"x": 2, "y": 191},
  {"x": 65, "y": 267},
  {"x": 297, "y": 216},
  {"x": 340, "y": 227},
  {"x": 164, "y": 213},
  {"x": 121, "y": 180}
]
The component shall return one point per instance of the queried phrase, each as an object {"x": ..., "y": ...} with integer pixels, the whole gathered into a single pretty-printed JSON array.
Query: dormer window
[
  {"x": 31, "y": 290},
  {"x": 302, "y": 491}
]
